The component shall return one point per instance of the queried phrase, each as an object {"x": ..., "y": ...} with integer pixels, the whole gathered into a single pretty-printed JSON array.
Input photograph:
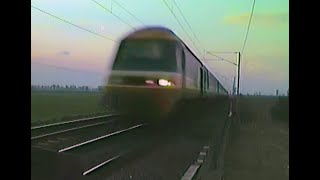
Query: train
[{"x": 154, "y": 71}]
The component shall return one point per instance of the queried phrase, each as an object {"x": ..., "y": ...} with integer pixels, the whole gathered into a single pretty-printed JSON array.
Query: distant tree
[{"x": 277, "y": 92}]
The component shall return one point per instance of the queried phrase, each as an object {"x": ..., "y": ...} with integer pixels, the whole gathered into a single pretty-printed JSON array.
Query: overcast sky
[{"x": 218, "y": 25}]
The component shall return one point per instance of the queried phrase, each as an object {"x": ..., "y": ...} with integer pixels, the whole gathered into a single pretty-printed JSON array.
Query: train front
[{"x": 145, "y": 81}]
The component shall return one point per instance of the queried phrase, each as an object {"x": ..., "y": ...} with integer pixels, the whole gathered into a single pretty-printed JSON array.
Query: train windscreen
[{"x": 146, "y": 55}]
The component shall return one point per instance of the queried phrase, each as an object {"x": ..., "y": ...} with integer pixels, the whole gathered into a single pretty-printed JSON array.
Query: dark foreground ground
[
  {"x": 258, "y": 142},
  {"x": 163, "y": 152},
  {"x": 257, "y": 147}
]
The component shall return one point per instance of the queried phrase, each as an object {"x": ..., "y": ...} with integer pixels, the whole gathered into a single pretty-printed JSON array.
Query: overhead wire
[
  {"x": 248, "y": 27},
  {"x": 187, "y": 23},
  {"x": 181, "y": 26},
  {"x": 121, "y": 6},
  {"x": 223, "y": 59},
  {"x": 112, "y": 13},
  {"x": 75, "y": 25}
]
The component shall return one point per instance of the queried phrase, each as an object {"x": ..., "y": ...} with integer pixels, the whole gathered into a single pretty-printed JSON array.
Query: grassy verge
[
  {"x": 258, "y": 145},
  {"x": 281, "y": 110},
  {"x": 49, "y": 107}
]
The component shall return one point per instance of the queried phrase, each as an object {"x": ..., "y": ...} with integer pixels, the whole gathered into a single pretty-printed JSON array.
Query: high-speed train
[{"x": 154, "y": 71}]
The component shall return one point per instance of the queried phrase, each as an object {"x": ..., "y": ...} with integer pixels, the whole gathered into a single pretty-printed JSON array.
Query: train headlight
[
  {"x": 149, "y": 82},
  {"x": 164, "y": 82}
]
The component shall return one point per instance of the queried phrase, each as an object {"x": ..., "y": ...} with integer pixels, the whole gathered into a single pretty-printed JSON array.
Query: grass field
[
  {"x": 258, "y": 145},
  {"x": 281, "y": 110},
  {"x": 56, "y": 106}
]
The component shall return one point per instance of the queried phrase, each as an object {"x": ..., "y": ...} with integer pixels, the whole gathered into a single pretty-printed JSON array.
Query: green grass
[
  {"x": 281, "y": 110},
  {"x": 56, "y": 106}
]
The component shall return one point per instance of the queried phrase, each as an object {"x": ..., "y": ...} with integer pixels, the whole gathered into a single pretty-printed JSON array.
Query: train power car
[{"x": 153, "y": 70}]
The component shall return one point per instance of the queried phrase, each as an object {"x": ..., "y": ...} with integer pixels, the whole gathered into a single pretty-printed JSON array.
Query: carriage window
[{"x": 179, "y": 57}]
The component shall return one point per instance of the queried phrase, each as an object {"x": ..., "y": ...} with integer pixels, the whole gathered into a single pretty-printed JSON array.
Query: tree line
[{"x": 64, "y": 87}]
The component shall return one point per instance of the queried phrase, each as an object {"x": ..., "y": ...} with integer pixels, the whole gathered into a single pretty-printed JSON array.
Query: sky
[{"x": 62, "y": 53}]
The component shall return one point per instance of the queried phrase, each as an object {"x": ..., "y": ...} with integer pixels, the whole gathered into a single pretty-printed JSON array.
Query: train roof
[{"x": 152, "y": 32}]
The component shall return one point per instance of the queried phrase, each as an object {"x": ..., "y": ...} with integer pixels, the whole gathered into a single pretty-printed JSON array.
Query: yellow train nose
[{"x": 146, "y": 102}]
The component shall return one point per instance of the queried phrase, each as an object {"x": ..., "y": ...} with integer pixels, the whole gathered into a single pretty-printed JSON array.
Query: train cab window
[{"x": 146, "y": 55}]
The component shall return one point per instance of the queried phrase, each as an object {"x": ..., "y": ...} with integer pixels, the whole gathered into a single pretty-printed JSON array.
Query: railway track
[
  {"x": 93, "y": 141},
  {"x": 105, "y": 147},
  {"x": 95, "y": 147},
  {"x": 66, "y": 136},
  {"x": 62, "y": 127}
]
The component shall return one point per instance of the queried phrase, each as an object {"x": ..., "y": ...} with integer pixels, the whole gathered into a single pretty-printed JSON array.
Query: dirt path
[{"x": 258, "y": 144}]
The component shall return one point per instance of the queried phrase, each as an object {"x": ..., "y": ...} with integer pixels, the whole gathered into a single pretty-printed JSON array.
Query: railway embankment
[{"x": 257, "y": 146}]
